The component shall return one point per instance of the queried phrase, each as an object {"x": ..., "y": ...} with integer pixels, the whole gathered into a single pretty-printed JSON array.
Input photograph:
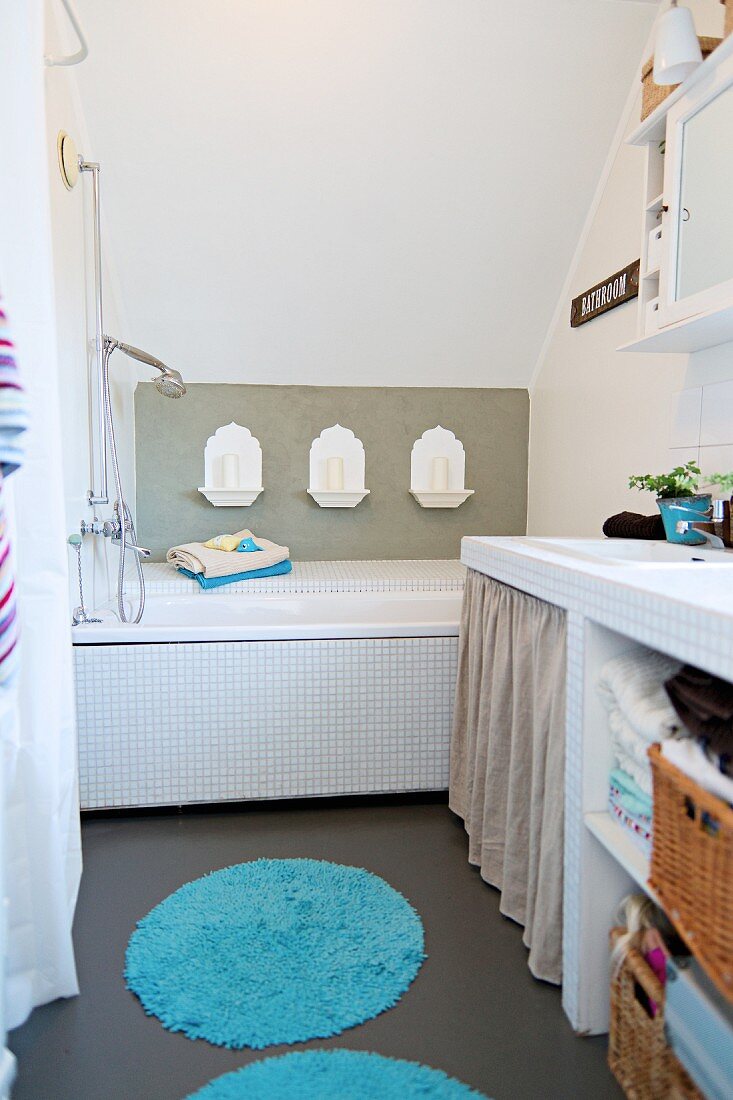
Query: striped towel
[
  {"x": 631, "y": 807},
  {"x": 13, "y": 422}
]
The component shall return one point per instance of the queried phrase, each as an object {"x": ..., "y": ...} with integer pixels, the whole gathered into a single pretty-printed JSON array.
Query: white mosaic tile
[
  {"x": 211, "y": 722},
  {"x": 689, "y": 633},
  {"x": 324, "y": 576}
]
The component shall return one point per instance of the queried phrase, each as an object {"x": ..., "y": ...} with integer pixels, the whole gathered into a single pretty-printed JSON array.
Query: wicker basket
[
  {"x": 653, "y": 94},
  {"x": 638, "y": 1055},
  {"x": 692, "y": 867}
]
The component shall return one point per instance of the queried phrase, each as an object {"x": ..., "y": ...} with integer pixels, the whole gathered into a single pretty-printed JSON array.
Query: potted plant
[{"x": 678, "y": 499}]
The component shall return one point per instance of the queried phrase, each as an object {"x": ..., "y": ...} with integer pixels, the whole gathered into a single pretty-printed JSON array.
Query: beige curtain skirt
[{"x": 507, "y": 756}]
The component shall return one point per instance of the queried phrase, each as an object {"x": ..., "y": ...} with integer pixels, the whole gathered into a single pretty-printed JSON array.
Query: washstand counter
[{"x": 682, "y": 609}]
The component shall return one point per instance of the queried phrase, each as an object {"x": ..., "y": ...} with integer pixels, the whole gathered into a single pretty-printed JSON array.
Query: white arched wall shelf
[
  {"x": 438, "y": 470},
  {"x": 232, "y": 467},
  {"x": 337, "y": 463}
]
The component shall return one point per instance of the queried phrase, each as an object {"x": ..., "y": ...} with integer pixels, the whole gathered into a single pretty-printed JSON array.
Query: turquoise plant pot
[{"x": 673, "y": 509}]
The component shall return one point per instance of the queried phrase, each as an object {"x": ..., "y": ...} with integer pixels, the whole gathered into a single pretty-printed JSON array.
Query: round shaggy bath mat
[
  {"x": 275, "y": 951},
  {"x": 335, "y": 1075}
]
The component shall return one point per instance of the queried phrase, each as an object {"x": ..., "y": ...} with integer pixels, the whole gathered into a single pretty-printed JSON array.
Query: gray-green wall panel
[{"x": 493, "y": 425}]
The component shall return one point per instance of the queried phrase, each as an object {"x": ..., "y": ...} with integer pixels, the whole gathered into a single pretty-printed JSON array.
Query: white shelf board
[
  {"x": 707, "y": 330},
  {"x": 653, "y": 128},
  {"x": 427, "y": 498},
  {"x": 653, "y": 273},
  {"x": 617, "y": 841},
  {"x": 338, "y": 498},
  {"x": 655, "y": 205},
  {"x": 230, "y": 498}
]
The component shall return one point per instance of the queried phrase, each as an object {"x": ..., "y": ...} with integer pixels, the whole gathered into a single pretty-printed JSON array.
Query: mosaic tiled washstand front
[{"x": 169, "y": 724}]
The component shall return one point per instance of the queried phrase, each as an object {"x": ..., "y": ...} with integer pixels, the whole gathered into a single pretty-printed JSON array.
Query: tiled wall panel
[
  {"x": 701, "y": 427},
  {"x": 208, "y": 722}
]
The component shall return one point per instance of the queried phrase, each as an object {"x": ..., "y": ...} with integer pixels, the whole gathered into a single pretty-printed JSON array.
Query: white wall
[
  {"x": 73, "y": 282},
  {"x": 597, "y": 415},
  {"x": 347, "y": 192}
]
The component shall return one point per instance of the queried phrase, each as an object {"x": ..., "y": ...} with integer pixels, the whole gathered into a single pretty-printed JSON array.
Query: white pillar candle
[
  {"x": 335, "y": 474},
  {"x": 439, "y": 481},
  {"x": 230, "y": 471}
]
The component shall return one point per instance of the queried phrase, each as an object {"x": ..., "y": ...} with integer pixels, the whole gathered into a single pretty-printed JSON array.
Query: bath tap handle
[
  {"x": 142, "y": 550},
  {"x": 108, "y": 528}
]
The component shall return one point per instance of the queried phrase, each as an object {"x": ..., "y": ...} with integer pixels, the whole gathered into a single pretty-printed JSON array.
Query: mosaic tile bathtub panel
[{"x": 209, "y": 722}]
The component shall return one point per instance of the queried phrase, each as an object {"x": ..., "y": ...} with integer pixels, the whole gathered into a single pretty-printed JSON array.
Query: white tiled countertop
[{"x": 685, "y": 610}]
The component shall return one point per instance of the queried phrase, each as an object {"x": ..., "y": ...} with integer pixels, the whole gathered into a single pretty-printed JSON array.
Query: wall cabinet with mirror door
[{"x": 686, "y": 285}]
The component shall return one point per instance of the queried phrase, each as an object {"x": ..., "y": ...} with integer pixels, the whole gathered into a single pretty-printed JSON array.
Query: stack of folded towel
[
  {"x": 690, "y": 757},
  {"x": 631, "y": 807},
  {"x": 704, "y": 703},
  {"x": 229, "y": 558},
  {"x": 639, "y": 715}
]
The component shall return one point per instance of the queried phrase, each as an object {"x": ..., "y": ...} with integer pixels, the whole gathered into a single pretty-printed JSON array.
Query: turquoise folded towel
[
  {"x": 216, "y": 582},
  {"x": 630, "y": 794}
]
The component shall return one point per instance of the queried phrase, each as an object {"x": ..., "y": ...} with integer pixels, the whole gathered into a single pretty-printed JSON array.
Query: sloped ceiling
[{"x": 382, "y": 192}]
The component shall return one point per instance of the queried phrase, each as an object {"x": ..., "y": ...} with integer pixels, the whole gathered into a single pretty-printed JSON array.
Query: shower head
[{"x": 170, "y": 383}]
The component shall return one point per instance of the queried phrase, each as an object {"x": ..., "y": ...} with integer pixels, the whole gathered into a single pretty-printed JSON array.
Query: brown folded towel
[
  {"x": 630, "y": 525},
  {"x": 705, "y": 705}
]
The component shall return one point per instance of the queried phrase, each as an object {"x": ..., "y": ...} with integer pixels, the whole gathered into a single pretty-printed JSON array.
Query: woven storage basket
[
  {"x": 638, "y": 1055},
  {"x": 692, "y": 867},
  {"x": 653, "y": 94}
]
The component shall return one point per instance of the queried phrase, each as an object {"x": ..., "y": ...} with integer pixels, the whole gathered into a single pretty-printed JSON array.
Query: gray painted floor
[{"x": 473, "y": 1011}]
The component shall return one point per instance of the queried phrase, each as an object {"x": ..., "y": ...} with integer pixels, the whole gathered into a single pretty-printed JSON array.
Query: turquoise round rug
[
  {"x": 335, "y": 1075},
  {"x": 275, "y": 951}
]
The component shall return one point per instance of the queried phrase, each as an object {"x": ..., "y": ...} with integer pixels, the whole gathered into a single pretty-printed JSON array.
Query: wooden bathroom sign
[{"x": 614, "y": 290}]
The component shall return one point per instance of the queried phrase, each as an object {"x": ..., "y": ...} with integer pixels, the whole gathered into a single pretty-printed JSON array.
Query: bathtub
[
  {"x": 278, "y": 617},
  {"x": 222, "y": 696}
]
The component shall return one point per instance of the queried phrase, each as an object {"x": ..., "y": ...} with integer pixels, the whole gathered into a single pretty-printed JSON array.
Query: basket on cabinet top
[{"x": 653, "y": 94}]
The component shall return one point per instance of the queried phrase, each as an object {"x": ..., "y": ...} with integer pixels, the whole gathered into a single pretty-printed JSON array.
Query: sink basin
[{"x": 631, "y": 551}]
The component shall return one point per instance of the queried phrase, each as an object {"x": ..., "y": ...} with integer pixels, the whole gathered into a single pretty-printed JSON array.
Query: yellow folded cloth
[
  {"x": 224, "y": 542},
  {"x": 199, "y": 558}
]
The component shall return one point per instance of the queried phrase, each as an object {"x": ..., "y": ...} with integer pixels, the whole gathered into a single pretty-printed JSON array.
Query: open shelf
[
  {"x": 707, "y": 330},
  {"x": 655, "y": 205},
  {"x": 617, "y": 841}
]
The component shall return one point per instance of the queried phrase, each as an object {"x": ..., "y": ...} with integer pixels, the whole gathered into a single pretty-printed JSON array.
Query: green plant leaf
[{"x": 682, "y": 481}]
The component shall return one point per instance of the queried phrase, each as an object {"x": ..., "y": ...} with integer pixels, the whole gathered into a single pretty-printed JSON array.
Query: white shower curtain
[{"x": 40, "y": 853}]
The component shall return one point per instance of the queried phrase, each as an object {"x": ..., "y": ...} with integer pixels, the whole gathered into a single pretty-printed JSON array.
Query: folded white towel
[
  {"x": 634, "y": 682},
  {"x": 626, "y": 739},
  {"x": 219, "y": 563},
  {"x": 641, "y": 774},
  {"x": 690, "y": 758},
  {"x": 630, "y": 750}
]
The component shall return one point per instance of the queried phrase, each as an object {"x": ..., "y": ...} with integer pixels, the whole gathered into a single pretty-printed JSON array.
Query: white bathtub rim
[{"x": 320, "y": 617}]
